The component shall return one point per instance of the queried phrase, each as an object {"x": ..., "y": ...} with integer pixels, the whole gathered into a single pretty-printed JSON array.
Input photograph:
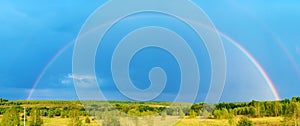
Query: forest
[{"x": 76, "y": 113}]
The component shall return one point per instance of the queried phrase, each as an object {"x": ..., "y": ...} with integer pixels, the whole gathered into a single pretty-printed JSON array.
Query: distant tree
[
  {"x": 3, "y": 100},
  {"x": 63, "y": 114},
  {"x": 293, "y": 114},
  {"x": 221, "y": 114},
  {"x": 277, "y": 108},
  {"x": 268, "y": 108},
  {"x": 134, "y": 112},
  {"x": 74, "y": 118},
  {"x": 57, "y": 112},
  {"x": 294, "y": 99},
  {"x": 244, "y": 121},
  {"x": 35, "y": 118},
  {"x": 262, "y": 109},
  {"x": 197, "y": 107},
  {"x": 217, "y": 114},
  {"x": 257, "y": 107},
  {"x": 224, "y": 113},
  {"x": 298, "y": 99},
  {"x": 252, "y": 111},
  {"x": 50, "y": 113},
  {"x": 10, "y": 117},
  {"x": 231, "y": 118}
]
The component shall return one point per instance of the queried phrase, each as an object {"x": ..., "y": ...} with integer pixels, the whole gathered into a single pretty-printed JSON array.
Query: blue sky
[{"x": 34, "y": 35}]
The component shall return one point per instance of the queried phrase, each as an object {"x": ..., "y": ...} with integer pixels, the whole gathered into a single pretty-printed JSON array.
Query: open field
[
  {"x": 63, "y": 122},
  {"x": 129, "y": 113},
  {"x": 266, "y": 121}
]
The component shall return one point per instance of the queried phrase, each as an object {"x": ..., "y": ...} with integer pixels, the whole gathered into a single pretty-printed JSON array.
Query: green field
[
  {"x": 132, "y": 113},
  {"x": 266, "y": 121}
]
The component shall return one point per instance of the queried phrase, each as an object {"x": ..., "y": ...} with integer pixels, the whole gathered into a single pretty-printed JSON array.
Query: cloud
[
  {"x": 66, "y": 81},
  {"x": 80, "y": 77},
  {"x": 85, "y": 87},
  {"x": 83, "y": 80}
]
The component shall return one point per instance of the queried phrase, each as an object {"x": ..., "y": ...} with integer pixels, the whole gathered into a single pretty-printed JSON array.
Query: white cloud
[
  {"x": 80, "y": 77},
  {"x": 82, "y": 81},
  {"x": 66, "y": 81}
]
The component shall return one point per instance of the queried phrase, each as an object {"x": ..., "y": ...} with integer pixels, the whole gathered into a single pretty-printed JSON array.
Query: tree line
[
  {"x": 111, "y": 112},
  {"x": 289, "y": 109}
]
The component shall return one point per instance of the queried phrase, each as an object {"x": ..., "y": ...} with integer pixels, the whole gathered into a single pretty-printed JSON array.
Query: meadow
[
  {"x": 265, "y": 121},
  {"x": 132, "y": 113}
]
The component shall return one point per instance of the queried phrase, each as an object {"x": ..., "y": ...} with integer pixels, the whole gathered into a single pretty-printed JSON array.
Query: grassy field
[
  {"x": 268, "y": 121},
  {"x": 63, "y": 122},
  {"x": 60, "y": 122}
]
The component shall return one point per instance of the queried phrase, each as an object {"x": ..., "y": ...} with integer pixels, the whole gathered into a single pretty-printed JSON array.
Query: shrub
[
  {"x": 245, "y": 122},
  {"x": 87, "y": 120}
]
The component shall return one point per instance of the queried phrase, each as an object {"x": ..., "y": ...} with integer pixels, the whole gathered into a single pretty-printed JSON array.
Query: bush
[
  {"x": 10, "y": 117},
  {"x": 245, "y": 122},
  {"x": 87, "y": 120}
]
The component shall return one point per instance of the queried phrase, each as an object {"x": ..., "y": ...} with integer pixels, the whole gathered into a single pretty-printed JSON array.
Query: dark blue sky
[{"x": 36, "y": 40}]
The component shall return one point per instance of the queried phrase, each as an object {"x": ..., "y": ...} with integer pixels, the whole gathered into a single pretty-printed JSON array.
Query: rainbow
[
  {"x": 277, "y": 40},
  {"x": 51, "y": 61},
  {"x": 235, "y": 43},
  {"x": 256, "y": 64}
]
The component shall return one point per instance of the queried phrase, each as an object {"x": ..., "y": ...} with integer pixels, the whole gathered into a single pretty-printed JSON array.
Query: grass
[
  {"x": 202, "y": 122},
  {"x": 64, "y": 122},
  {"x": 61, "y": 122},
  {"x": 265, "y": 121},
  {"x": 268, "y": 121}
]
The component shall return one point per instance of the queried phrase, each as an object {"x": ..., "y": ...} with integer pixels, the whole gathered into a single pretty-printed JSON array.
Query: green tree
[
  {"x": 262, "y": 109},
  {"x": 221, "y": 114},
  {"x": 298, "y": 99},
  {"x": 244, "y": 121},
  {"x": 10, "y": 117},
  {"x": 231, "y": 118},
  {"x": 224, "y": 113},
  {"x": 252, "y": 111},
  {"x": 257, "y": 107},
  {"x": 192, "y": 114},
  {"x": 217, "y": 114},
  {"x": 74, "y": 118},
  {"x": 3, "y": 100},
  {"x": 277, "y": 108},
  {"x": 35, "y": 118},
  {"x": 293, "y": 114},
  {"x": 50, "y": 114}
]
